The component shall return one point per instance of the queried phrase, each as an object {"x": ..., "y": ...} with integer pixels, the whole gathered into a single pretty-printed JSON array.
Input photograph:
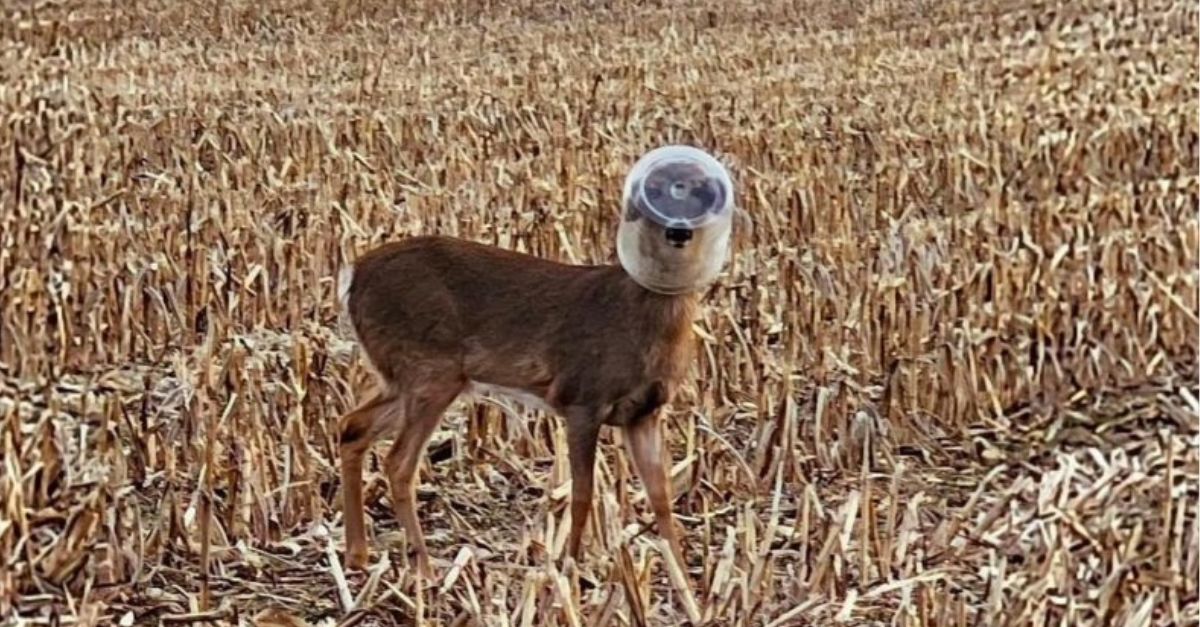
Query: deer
[{"x": 599, "y": 345}]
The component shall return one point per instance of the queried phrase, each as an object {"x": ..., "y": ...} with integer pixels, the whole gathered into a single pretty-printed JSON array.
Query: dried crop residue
[{"x": 949, "y": 378}]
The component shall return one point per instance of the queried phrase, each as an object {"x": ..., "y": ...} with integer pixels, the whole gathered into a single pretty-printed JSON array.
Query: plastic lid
[{"x": 679, "y": 187}]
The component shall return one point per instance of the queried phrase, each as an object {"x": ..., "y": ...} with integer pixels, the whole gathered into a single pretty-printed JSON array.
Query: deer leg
[
  {"x": 356, "y": 430},
  {"x": 582, "y": 433},
  {"x": 646, "y": 448},
  {"x": 421, "y": 419}
]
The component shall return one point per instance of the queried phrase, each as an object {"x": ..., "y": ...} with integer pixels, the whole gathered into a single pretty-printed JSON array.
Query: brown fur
[{"x": 434, "y": 314}]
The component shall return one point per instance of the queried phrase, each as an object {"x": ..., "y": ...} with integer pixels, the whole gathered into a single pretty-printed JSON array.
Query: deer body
[{"x": 437, "y": 317}]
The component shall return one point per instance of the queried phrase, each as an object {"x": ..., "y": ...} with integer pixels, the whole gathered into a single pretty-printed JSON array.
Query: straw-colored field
[{"x": 949, "y": 379}]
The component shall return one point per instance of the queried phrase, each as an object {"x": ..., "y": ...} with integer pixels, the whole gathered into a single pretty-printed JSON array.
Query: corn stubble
[{"x": 949, "y": 378}]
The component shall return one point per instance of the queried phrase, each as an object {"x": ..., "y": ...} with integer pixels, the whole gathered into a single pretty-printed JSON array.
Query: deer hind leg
[
  {"x": 645, "y": 445},
  {"x": 422, "y": 413},
  {"x": 356, "y": 430}
]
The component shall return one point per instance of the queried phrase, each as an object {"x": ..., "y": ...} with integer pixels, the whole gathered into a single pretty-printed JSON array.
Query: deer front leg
[
  {"x": 583, "y": 430},
  {"x": 645, "y": 445}
]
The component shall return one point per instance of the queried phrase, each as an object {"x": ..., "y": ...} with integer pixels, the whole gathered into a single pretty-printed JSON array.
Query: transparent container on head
[
  {"x": 679, "y": 187},
  {"x": 677, "y": 220}
]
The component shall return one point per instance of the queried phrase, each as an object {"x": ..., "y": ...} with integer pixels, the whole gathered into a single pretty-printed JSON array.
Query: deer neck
[{"x": 671, "y": 314}]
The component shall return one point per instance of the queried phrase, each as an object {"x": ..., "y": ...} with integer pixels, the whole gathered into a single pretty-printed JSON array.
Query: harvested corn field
[{"x": 948, "y": 378}]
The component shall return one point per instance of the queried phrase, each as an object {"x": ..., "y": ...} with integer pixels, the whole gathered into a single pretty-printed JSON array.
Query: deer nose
[{"x": 679, "y": 237}]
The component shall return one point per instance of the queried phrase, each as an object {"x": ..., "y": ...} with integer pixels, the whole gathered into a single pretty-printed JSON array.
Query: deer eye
[{"x": 706, "y": 195}]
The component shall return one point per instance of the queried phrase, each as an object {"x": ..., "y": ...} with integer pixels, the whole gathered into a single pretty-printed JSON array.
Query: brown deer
[{"x": 596, "y": 344}]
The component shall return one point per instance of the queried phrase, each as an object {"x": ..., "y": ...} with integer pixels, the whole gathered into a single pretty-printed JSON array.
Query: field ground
[{"x": 950, "y": 377}]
